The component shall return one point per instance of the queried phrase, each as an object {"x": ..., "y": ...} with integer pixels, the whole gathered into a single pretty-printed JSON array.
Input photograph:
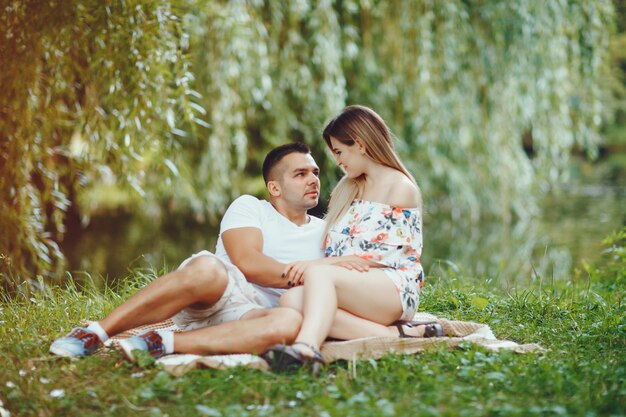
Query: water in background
[{"x": 568, "y": 232}]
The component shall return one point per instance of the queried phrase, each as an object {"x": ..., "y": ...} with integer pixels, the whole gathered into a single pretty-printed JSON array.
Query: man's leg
[
  {"x": 255, "y": 332},
  {"x": 200, "y": 283}
]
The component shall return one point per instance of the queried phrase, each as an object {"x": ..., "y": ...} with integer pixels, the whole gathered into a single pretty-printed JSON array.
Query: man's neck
[{"x": 298, "y": 217}]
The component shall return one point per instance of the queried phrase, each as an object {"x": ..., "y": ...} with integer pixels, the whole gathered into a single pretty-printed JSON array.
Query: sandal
[
  {"x": 432, "y": 328},
  {"x": 283, "y": 358}
]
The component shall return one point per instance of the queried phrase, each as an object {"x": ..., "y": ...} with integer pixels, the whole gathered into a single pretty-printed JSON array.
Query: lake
[{"x": 568, "y": 231}]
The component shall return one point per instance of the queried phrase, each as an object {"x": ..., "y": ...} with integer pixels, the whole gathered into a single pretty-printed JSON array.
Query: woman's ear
[
  {"x": 361, "y": 147},
  {"x": 273, "y": 188}
]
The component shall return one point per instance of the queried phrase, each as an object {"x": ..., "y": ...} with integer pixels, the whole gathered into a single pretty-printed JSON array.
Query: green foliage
[
  {"x": 464, "y": 82},
  {"x": 181, "y": 100},
  {"x": 89, "y": 90},
  {"x": 460, "y": 83},
  {"x": 615, "y": 134},
  {"x": 269, "y": 73},
  {"x": 612, "y": 274}
]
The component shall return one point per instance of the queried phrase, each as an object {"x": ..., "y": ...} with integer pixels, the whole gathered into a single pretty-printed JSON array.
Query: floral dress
[{"x": 391, "y": 236}]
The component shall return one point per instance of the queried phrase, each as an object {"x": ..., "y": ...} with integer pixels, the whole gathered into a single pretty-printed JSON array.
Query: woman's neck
[{"x": 375, "y": 175}]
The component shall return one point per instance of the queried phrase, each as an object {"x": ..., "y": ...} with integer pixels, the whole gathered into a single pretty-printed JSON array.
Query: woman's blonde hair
[{"x": 362, "y": 124}]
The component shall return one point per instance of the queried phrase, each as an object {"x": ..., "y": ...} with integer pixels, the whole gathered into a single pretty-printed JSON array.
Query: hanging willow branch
[
  {"x": 462, "y": 84},
  {"x": 85, "y": 87}
]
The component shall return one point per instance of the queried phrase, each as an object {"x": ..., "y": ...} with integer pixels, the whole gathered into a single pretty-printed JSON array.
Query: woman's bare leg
[
  {"x": 347, "y": 326},
  {"x": 370, "y": 295}
]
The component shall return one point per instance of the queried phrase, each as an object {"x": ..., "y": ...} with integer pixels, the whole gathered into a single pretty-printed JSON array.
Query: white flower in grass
[
  {"x": 3, "y": 411},
  {"x": 57, "y": 393}
]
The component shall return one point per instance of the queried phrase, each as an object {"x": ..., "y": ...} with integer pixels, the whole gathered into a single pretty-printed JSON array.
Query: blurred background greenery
[{"x": 127, "y": 127}]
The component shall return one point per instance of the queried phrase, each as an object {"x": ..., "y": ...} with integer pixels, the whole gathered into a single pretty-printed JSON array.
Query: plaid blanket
[{"x": 456, "y": 333}]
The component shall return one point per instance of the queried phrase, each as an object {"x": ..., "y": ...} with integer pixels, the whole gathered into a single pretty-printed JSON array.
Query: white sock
[
  {"x": 168, "y": 340},
  {"x": 97, "y": 329}
]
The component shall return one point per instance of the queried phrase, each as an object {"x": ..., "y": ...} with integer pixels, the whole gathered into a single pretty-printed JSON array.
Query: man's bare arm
[{"x": 244, "y": 246}]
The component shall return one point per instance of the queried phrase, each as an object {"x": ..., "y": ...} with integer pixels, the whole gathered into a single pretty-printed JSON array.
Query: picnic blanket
[{"x": 456, "y": 333}]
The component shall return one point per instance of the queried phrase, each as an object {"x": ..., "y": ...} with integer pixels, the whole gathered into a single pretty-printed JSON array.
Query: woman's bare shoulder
[{"x": 404, "y": 193}]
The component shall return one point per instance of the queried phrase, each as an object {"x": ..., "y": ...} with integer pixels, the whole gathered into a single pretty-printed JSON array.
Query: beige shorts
[{"x": 239, "y": 298}]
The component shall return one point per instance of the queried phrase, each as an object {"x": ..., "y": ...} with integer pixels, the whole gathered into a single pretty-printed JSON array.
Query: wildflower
[{"x": 57, "y": 393}]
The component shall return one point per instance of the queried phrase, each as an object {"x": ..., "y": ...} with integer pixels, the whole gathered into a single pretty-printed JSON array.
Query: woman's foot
[
  {"x": 283, "y": 358},
  {"x": 416, "y": 329},
  {"x": 394, "y": 330},
  {"x": 306, "y": 350}
]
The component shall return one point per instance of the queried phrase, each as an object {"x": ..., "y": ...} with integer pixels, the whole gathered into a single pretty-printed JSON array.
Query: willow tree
[
  {"x": 466, "y": 81},
  {"x": 462, "y": 84},
  {"x": 89, "y": 89},
  {"x": 268, "y": 72},
  {"x": 102, "y": 91}
]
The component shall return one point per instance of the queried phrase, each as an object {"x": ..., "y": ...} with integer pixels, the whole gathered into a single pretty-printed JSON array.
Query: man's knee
[{"x": 205, "y": 274}]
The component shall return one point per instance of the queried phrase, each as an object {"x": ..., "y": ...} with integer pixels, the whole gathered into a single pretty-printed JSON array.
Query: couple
[{"x": 356, "y": 275}]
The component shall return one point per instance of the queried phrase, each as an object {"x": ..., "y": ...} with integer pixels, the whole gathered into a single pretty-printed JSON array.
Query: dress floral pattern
[{"x": 388, "y": 235}]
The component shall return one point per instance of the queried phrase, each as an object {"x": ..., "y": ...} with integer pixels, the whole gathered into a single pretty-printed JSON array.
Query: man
[{"x": 209, "y": 296}]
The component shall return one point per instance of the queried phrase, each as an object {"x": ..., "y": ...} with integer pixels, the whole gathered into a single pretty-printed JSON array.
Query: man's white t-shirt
[{"x": 283, "y": 240}]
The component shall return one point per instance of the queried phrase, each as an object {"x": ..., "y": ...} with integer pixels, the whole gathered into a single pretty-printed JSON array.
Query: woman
[{"x": 372, "y": 275}]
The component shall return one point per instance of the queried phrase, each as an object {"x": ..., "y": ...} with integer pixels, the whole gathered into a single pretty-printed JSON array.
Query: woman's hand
[
  {"x": 357, "y": 264},
  {"x": 294, "y": 272}
]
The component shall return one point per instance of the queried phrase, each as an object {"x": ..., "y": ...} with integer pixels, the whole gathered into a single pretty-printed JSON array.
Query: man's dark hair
[{"x": 275, "y": 155}]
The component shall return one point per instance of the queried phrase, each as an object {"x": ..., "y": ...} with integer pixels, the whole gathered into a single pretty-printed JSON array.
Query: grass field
[{"x": 582, "y": 322}]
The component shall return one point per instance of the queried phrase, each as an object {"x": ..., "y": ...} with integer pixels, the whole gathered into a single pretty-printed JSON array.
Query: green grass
[{"x": 582, "y": 322}]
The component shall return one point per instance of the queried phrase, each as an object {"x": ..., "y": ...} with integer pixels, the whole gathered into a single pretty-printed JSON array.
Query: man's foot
[
  {"x": 149, "y": 341},
  {"x": 78, "y": 343}
]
